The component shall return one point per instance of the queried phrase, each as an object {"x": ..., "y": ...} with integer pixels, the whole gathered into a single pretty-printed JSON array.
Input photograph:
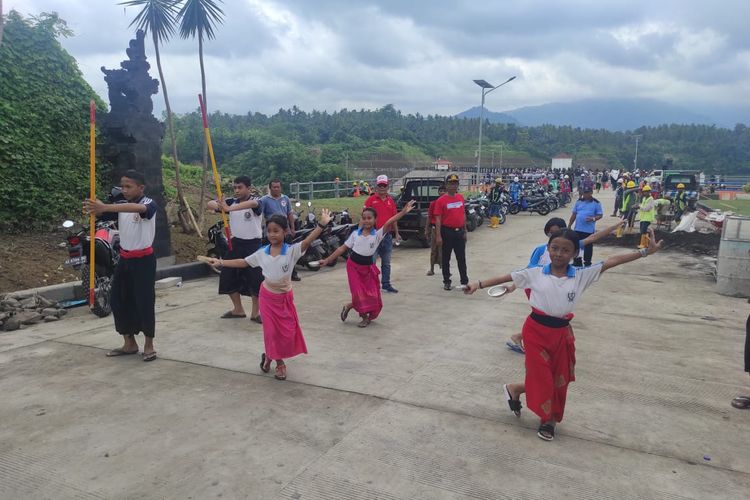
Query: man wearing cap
[
  {"x": 385, "y": 207},
  {"x": 450, "y": 230}
]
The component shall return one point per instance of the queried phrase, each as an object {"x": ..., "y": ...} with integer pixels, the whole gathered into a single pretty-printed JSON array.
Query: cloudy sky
[{"x": 422, "y": 55}]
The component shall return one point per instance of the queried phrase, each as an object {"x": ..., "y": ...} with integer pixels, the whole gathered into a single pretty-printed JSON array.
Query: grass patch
[
  {"x": 741, "y": 207},
  {"x": 354, "y": 205}
]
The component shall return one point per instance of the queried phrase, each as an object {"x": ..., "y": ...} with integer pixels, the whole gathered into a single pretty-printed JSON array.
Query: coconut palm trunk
[
  {"x": 187, "y": 220},
  {"x": 204, "y": 177}
]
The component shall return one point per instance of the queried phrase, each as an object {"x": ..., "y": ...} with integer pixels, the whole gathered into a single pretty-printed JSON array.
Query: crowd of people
[{"x": 558, "y": 273}]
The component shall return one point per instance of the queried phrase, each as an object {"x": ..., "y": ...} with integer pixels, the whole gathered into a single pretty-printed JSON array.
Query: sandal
[
  {"x": 365, "y": 321},
  {"x": 231, "y": 315},
  {"x": 256, "y": 319},
  {"x": 546, "y": 432},
  {"x": 280, "y": 372},
  {"x": 149, "y": 356},
  {"x": 265, "y": 363},
  {"x": 120, "y": 352},
  {"x": 345, "y": 312},
  {"x": 741, "y": 402},
  {"x": 515, "y": 404}
]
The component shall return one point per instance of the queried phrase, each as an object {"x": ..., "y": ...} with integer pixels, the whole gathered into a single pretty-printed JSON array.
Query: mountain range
[{"x": 614, "y": 114}]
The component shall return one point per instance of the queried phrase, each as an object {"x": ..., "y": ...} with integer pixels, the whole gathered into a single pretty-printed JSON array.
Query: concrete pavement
[{"x": 410, "y": 407}]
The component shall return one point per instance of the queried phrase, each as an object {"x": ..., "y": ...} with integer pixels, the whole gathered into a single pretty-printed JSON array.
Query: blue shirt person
[
  {"x": 586, "y": 212},
  {"x": 276, "y": 203}
]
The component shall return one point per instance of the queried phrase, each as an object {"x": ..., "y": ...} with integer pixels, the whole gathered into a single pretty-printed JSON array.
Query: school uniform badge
[
  {"x": 248, "y": 215},
  {"x": 571, "y": 296}
]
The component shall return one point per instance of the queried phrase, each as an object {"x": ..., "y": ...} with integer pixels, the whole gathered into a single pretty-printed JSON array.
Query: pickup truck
[{"x": 423, "y": 190}]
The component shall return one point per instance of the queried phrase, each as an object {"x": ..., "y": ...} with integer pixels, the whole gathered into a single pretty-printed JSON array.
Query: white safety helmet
[
  {"x": 566, "y": 176},
  {"x": 515, "y": 179}
]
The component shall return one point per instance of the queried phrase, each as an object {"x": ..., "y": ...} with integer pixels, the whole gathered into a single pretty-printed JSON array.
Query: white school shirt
[
  {"x": 245, "y": 224},
  {"x": 552, "y": 295},
  {"x": 365, "y": 245},
  {"x": 277, "y": 271},
  {"x": 137, "y": 230}
]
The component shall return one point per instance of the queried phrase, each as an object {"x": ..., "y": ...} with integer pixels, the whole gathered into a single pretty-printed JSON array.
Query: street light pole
[
  {"x": 486, "y": 89},
  {"x": 635, "y": 159}
]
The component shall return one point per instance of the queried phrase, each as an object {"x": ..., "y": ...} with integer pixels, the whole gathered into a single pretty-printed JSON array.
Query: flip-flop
[
  {"x": 230, "y": 315},
  {"x": 149, "y": 357},
  {"x": 514, "y": 404},
  {"x": 256, "y": 319},
  {"x": 546, "y": 432},
  {"x": 345, "y": 313},
  {"x": 263, "y": 367},
  {"x": 280, "y": 373},
  {"x": 119, "y": 352},
  {"x": 515, "y": 347},
  {"x": 741, "y": 402}
]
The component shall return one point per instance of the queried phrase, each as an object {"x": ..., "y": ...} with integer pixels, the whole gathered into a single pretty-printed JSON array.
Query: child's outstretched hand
[
  {"x": 325, "y": 216},
  {"x": 95, "y": 207},
  {"x": 471, "y": 288},
  {"x": 653, "y": 245},
  {"x": 409, "y": 206}
]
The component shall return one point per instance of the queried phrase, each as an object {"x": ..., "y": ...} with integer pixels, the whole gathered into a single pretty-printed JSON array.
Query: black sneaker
[
  {"x": 447, "y": 286},
  {"x": 389, "y": 288}
]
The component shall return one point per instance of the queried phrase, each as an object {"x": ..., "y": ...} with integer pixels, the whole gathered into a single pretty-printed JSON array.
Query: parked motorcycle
[
  {"x": 473, "y": 219},
  {"x": 107, "y": 255},
  {"x": 530, "y": 204},
  {"x": 217, "y": 243}
]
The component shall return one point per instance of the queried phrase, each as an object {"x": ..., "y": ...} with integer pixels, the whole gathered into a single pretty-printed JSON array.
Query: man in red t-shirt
[
  {"x": 430, "y": 234},
  {"x": 450, "y": 229},
  {"x": 385, "y": 208}
]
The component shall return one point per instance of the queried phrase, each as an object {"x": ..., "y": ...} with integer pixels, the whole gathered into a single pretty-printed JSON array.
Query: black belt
[
  {"x": 452, "y": 228},
  {"x": 362, "y": 260},
  {"x": 550, "y": 321}
]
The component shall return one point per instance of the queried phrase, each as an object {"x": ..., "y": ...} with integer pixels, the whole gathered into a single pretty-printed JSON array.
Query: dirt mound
[{"x": 695, "y": 243}]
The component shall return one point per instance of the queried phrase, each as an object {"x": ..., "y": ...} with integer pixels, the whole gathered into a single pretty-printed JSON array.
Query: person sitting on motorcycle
[
  {"x": 515, "y": 190},
  {"x": 496, "y": 199}
]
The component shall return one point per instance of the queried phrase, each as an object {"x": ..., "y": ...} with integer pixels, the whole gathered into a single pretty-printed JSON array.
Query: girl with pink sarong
[
  {"x": 363, "y": 274},
  {"x": 282, "y": 334}
]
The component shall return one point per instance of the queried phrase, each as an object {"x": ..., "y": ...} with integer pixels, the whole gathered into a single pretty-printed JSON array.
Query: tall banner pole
[
  {"x": 217, "y": 181},
  {"x": 92, "y": 197}
]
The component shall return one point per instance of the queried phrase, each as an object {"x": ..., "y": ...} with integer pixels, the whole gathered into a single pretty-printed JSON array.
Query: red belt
[{"x": 135, "y": 254}]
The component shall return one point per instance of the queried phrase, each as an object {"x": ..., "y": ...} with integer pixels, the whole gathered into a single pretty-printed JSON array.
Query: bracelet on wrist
[
  {"x": 643, "y": 252},
  {"x": 480, "y": 284},
  {"x": 321, "y": 226}
]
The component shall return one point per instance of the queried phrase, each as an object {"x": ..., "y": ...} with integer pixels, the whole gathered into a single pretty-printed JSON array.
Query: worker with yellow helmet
[
  {"x": 679, "y": 202},
  {"x": 629, "y": 200},
  {"x": 647, "y": 211},
  {"x": 496, "y": 199}
]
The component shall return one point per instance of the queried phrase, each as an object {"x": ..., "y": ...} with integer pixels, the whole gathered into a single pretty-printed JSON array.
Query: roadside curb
[{"x": 74, "y": 290}]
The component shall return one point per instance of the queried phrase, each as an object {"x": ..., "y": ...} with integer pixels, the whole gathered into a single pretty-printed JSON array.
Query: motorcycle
[
  {"x": 218, "y": 245},
  {"x": 316, "y": 251},
  {"x": 473, "y": 219},
  {"x": 107, "y": 255},
  {"x": 531, "y": 205}
]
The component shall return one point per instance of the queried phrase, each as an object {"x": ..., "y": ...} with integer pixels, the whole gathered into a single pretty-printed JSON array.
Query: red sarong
[
  {"x": 550, "y": 367},
  {"x": 364, "y": 284},
  {"x": 282, "y": 334}
]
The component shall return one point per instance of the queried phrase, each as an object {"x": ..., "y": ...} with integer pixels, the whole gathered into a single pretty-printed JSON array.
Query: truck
[{"x": 423, "y": 190}]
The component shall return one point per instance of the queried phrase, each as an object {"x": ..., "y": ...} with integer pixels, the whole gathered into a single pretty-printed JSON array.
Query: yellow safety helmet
[
  {"x": 498, "y": 180},
  {"x": 646, "y": 188},
  {"x": 680, "y": 186},
  {"x": 630, "y": 184}
]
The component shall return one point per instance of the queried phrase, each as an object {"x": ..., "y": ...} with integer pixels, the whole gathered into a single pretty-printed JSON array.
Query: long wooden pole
[
  {"x": 217, "y": 181},
  {"x": 92, "y": 197}
]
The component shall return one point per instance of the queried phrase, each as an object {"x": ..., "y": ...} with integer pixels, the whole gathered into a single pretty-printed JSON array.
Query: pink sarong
[
  {"x": 364, "y": 284},
  {"x": 282, "y": 334}
]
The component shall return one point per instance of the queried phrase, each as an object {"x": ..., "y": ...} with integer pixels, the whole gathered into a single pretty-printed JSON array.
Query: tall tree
[
  {"x": 159, "y": 17},
  {"x": 198, "y": 18}
]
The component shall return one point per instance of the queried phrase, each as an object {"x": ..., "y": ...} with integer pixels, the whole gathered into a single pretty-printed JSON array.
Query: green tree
[
  {"x": 158, "y": 17},
  {"x": 198, "y": 18},
  {"x": 2, "y": 24}
]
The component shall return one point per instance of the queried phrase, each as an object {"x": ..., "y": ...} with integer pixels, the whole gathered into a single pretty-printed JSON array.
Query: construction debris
[{"x": 16, "y": 311}]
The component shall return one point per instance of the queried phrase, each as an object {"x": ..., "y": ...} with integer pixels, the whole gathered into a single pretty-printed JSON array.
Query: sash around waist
[
  {"x": 550, "y": 321},
  {"x": 362, "y": 260}
]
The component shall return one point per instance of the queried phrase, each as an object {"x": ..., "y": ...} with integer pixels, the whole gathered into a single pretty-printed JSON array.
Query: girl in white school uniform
[
  {"x": 363, "y": 274},
  {"x": 547, "y": 336},
  {"x": 282, "y": 334}
]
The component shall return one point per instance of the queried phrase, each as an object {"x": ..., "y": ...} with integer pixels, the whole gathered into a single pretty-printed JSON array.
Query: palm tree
[
  {"x": 158, "y": 16},
  {"x": 199, "y": 18}
]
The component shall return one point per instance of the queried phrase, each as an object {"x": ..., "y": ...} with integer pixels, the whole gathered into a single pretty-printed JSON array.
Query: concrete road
[{"x": 409, "y": 408}]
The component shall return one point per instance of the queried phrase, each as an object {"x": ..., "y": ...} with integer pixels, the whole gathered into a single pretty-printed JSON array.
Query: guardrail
[{"x": 330, "y": 189}]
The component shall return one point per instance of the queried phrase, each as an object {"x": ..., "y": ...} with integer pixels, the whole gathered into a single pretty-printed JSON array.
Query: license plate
[
  {"x": 471, "y": 211},
  {"x": 76, "y": 261}
]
